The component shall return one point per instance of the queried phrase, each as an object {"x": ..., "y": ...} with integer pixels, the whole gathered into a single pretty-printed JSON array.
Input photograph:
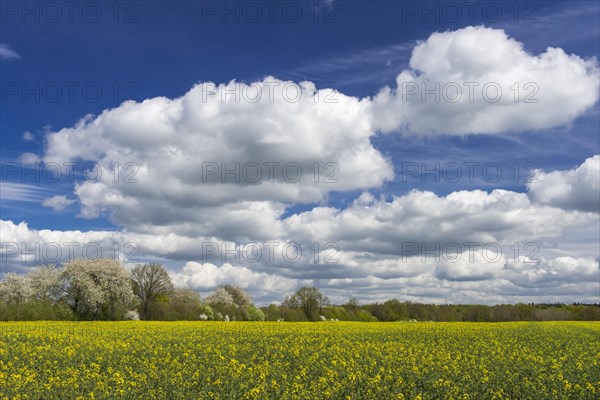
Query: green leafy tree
[
  {"x": 310, "y": 300},
  {"x": 255, "y": 314},
  {"x": 182, "y": 304},
  {"x": 150, "y": 282}
]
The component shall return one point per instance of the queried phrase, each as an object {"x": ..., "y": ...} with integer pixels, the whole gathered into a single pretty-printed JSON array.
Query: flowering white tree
[
  {"x": 186, "y": 295},
  {"x": 229, "y": 295},
  {"x": 207, "y": 312},
  {"x": 132, "y": 315},
  {"x": 15, "y": 289},
  {"x": 97, "y": 288},
  {"x": 234, "y": 302},
  {"x": 219, "y": 297},
  {"x": 240, "y": 298},
  {"x": 46, "y": 283}
]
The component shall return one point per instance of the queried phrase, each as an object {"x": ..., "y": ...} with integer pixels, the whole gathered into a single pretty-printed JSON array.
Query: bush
[
  {"x": 293, "y": 314},
  {"x": 132, "y": 315},
  {"x": 207, "y": 311},
  {"x": 36, "y": 310},
  {"x": 255, "y": 314}
]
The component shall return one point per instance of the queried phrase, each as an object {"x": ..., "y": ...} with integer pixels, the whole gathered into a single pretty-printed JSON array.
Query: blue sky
[{"x": 144, "y": 50}]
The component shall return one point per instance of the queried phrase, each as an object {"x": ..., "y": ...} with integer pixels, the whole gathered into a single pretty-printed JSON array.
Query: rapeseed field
[{"x": 328, "y": 360}]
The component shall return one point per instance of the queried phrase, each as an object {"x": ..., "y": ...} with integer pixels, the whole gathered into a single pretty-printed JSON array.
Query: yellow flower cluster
[{"x": 245, "y": 360}]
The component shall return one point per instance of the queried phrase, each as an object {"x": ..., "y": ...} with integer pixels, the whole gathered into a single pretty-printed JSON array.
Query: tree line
[{"x": 102, "y": 289}]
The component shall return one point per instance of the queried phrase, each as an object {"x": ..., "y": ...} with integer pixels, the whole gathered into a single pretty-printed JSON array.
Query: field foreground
[{"x": 341, "y": 360}]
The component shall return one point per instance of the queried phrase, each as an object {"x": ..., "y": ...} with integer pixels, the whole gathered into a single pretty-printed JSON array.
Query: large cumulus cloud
[
  {"x": 226, "y": 149},
  {"x": 426, "y": 219},
  {"x": 479, "y": 80},
  {"x": 576, "y": 189}
]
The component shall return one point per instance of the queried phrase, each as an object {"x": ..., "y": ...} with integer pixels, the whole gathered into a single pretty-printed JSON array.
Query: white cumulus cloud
[
  {"x": 576, "y": 189},
  {"x": 58, "y": 203},
  {"x": 207, "y": 276},
  {"x": 479, "y": 80},
  {"x": 293, "y": 144}
]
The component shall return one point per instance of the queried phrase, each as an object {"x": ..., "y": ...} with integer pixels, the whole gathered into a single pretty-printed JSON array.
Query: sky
[{"x": 439, "y": 152}]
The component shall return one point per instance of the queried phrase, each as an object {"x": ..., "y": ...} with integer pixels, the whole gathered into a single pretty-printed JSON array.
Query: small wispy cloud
[
  {"x": 579, "y": 19},
  {"x": 29, "y": 158},
  {"x": 7, "y": 53},
  {"x": 28, "y": 136},
  {"x": 375, "y": 65},
  {"x": 10, "y": 191}
]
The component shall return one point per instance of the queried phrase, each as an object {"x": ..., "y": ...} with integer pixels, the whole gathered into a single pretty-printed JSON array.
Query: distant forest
[
  {"x": 102, "y": 289},
  {"x": 395, "y": 310}
]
